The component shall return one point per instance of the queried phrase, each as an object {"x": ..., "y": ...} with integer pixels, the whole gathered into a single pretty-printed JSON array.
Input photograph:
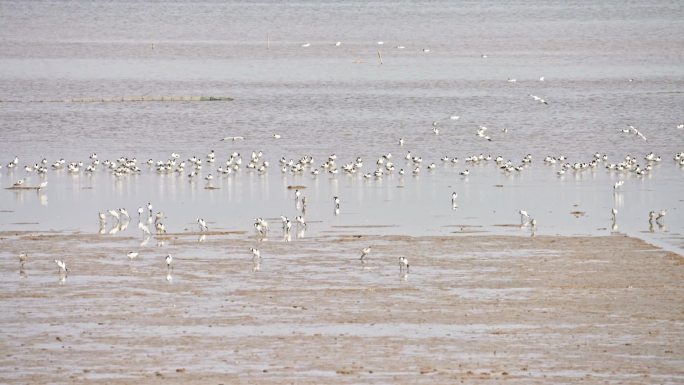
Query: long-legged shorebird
[
  {"x": 365, "y": 253},
  {"x": 403, "y": 264}
]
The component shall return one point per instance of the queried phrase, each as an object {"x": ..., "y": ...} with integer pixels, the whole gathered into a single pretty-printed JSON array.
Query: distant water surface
[{"x": 605, "y": 65}]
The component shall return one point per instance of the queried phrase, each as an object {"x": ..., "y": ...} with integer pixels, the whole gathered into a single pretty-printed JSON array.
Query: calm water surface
[{"x": 324, "y": 99}]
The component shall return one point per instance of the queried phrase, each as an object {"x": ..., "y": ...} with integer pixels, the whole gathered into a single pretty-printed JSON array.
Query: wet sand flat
[{"x": 473, "y": 309}]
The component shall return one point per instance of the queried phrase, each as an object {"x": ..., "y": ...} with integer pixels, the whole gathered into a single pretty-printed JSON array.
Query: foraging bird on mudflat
[
  {"x": 23, "y": 258},
  {"x": 62, "y": 266},
  {"x": 365, "y": 252},
  {"x": 403, "y": 264}
]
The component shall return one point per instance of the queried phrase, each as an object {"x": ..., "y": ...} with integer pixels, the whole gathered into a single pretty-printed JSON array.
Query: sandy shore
[{"x": 473, "y": 309}]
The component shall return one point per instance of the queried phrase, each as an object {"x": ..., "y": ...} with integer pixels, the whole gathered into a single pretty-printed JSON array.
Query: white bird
[
  {"x": 23, "y": 258},
  {"x": 255, "y": 253},
  {"x": 339, "y": 43},
  {"x": 144, "y": 228},
  {"x": 661, "y": 215},
  {"x": 18, "y": 183},
  {"x": 454, "y": 117},
  {"x": 62, "y": 266},
  {"x": 297, "y": 194},
  {"x": 454, "y": 196},
  {"x": 233, "y": 138},
  {"x": 202, "y": 224},
  {"x": 300, "y": 221},
  {"x": 523, "y": 215},
  {"x": 140, "y": 212},
  {"x": 42, "y": 185},
  {"x": 365, "y": 252},
  {"x": 124, "y": 212},
  {"x": 465, "y": 172},
  {"x": 537, "y": 98},
  {"x": 403, "y": 264},
  {"x": 169, "y": 261},
  {"x": 132, "y": 254},
  {"x": 614, "y": 212},
  {"x": 401, "y": 141},
  {"x": 541, "y": 79},
  {"x": 306, "y": 45},
  {"x": 276, "y": 136},
  {"x": 114, "y": 213},
  {"x": 618, "y": 184},
  {"x": 103, "y": 217}
]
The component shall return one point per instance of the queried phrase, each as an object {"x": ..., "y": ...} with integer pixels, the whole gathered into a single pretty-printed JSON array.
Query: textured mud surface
[{"x": 477, "y": 309}]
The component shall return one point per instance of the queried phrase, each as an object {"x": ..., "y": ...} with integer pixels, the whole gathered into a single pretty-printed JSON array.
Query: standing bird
[
  {"x": 297, "y": 194},
  {"x": 523, "y": 215},
  {"x": 145, "y": 230},
  {"x": 256, "y": 254},
  {"x": 287, "y": 226},
  {"x": 454, "y": 196},
  {"x": 23, "y": 258},
  {"x": 202, "y": 224},
  {"x": 132, "y": 254},
  {"x": 660, "y": 216},
  {"x": 140, "y": 212},
  {"x": 61, "y": 265},
  {"x": 103, "y": 218},
  {"x": 300, "y": 221},
  {"x": 614, "y": 212},
  {"x": 365, "y": 252},
  {"x": 115, "y": 214},
  {"x": 124, "y": 212},
  {"x": 336, "y": 201},
  {"x": 403, "y": 264},
  {"x": 169, "y": 261}
]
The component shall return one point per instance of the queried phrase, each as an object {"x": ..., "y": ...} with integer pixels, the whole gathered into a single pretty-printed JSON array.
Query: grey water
[{"x": 606, "y": 65}]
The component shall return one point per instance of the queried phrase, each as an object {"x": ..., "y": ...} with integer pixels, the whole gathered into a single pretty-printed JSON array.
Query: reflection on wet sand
[{"x": 313, "y": 315}]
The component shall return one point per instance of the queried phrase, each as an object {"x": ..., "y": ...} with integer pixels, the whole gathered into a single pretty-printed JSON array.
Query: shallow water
[{"x": 325, "y": 99}]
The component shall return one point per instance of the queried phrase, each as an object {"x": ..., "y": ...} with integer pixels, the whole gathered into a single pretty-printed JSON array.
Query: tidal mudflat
[{"x": 472, "y": 308}]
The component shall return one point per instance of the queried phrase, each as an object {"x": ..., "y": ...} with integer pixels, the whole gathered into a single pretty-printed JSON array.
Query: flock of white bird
[{"x": 384, "y": 165}]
